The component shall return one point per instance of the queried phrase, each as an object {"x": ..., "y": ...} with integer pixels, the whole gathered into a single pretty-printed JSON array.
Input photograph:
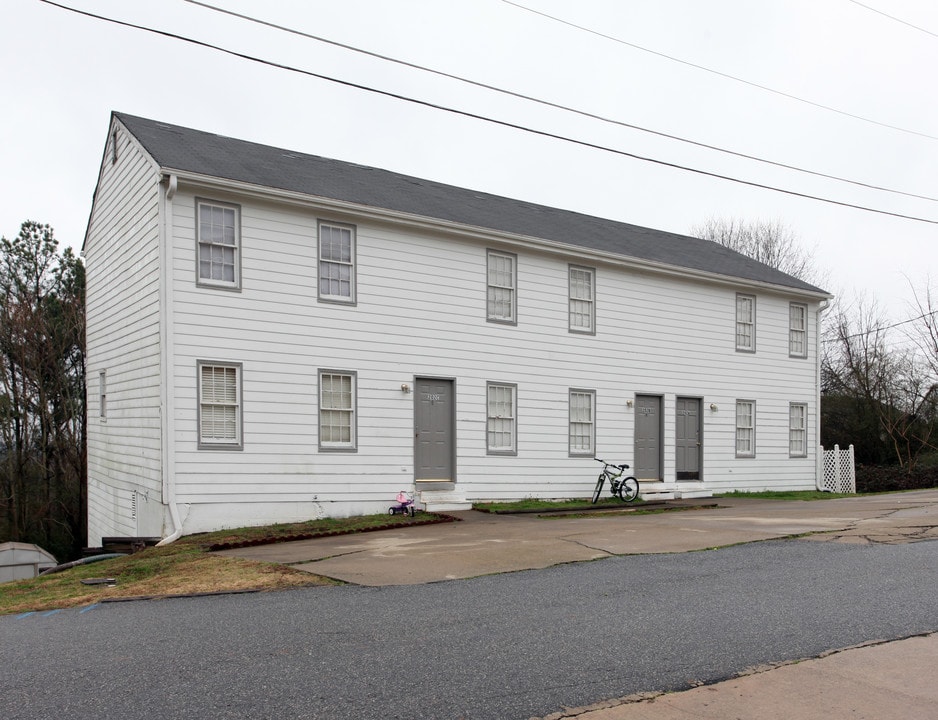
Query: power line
[
  {"x": 727, "y": 76},
  {"x": 894, "y": 18},
  {"x": 476, "y": 116},
  {"x": 881, "y": 328},
  {"x": 548, "y": 103}
]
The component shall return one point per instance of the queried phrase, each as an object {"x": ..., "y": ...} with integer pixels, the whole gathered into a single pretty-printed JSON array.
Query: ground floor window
[
  {"x": 745, "y": 428},
  {"x": 337, "y": 410},
  {"x": 219, "y": 405},
  {"x": 798, "y": 430},
  {"x": 501, "y": 419},
  {"x": 582, "y": 425}
]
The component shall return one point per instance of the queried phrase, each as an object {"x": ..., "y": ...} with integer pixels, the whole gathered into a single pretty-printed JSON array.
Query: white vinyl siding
[
  {"x": 798, "y": 330},
  {"x": 502, "y": 301},
  {"x": 501, "y": 424},
  {"x": 798, "y": 430},
  {"x": 336, "y": 263},
  {"x": 219, "y": 405},
  {"x": 122, "y": 269},
  {"x": 219, "y": 245},
  {"x": 582, "y": 422},
  {"x": 582, "y": 300},
  {"x": 745, "y": 428},
  {"x": 746, "y": 323},
  {"x": 337, "y": 410}
]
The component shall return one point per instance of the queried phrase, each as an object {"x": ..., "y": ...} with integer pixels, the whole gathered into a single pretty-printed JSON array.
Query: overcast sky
[{"x": 63, "y": 73}]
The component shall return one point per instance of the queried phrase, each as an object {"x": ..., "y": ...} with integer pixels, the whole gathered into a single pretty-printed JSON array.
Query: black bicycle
[{"x": 624, "y": 488}]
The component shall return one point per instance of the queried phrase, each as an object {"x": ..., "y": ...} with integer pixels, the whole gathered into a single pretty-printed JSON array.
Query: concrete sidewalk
[{"x": 888, "y": 681}]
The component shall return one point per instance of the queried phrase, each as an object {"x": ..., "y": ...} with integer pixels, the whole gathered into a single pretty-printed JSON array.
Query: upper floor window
[
  {"x": 582, "y": 422},
  {"x": 219, "y": 244},
  {"x": 501, "y": 283},
  {"x": 501, "y": 423},
  {"x": 219, "y": 405},
  {"x": 798, "y": 330},
  {"x": 336, "y": 263},
  {"x": 745, "y": 428},
  {"x": 798, "y": 430},
  {"x": 337, "y": 426},
  {"x": 582, "y": 300},
  {"x": 746, "y": 323}
]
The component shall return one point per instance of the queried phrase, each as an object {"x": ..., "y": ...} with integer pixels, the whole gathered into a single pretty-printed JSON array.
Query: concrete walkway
[{"x": 880, "y": 681}]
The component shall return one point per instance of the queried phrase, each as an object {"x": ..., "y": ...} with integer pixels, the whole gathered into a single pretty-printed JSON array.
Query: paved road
[{"x": 503, "y": 646}]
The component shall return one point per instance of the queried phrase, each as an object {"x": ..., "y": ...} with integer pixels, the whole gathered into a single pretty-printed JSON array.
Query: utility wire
[
  {"x": 881, "y": 328},
  {"x": 894, "y": 18},
  {"x": 548, "y": 103},
  {"x": 722, "y": 74},
  {"x": 475, "y": 116}
]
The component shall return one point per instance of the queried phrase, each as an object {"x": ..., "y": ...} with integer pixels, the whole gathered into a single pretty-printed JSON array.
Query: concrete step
[
  {"x": 443, "y": 501},
  {"x": 691, "y": 494},
  {"x": 656, "y": 494}
]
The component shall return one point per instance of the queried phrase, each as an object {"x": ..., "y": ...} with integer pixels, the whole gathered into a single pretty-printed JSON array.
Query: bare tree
[
  {"x": 768, "y": 241},
  {"x": 42, "y": 394},
  {"x": 866, "y": 359}
]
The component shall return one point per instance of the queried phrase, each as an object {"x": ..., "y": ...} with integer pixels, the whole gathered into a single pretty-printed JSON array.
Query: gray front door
[
  {"x": 434, "y": 430},
  {"x": 687, "y": 439},
  {"x": 647, "y": 437}
]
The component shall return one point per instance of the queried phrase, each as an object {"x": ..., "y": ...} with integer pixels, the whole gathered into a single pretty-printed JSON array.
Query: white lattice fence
[{"x": 837, "y": 474}]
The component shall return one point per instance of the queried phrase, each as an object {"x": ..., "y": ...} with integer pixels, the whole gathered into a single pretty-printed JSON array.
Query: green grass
[
  {"x": 535, "y": 505},
  {"x": 785, "y": 495}
]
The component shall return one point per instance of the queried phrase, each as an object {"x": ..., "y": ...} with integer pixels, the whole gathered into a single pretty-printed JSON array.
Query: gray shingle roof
[{"x": 184, "y": 149}]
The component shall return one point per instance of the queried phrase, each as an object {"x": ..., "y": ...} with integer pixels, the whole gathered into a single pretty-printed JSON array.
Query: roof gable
[{"x": 183, "y": 149}]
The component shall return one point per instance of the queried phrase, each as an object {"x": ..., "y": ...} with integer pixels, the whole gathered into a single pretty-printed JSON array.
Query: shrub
[{"x": 878, "y": 478}]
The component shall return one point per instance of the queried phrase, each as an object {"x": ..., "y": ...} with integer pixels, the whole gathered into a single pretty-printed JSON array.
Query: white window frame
[
  {"x": 214, "y": 248},
  {"x": 327, "y": 404},
  {"x": 745, "y": 428},
  {"x": 582, "y": 299},
  {"x": 220, "y": 441},
  {"x": 501, "y": 425},
  {"x": 798, "y": 430},
  {"x": 745, "y": 323},
  {"x": 498, "y": 288},
  {"x": 798, "y": 335},
  {"x": 326, "y": 261},
  {"x": 582, "y": 427}
]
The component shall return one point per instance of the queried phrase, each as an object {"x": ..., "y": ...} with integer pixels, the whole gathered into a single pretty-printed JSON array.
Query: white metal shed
[{"x": 20, "y": 561}]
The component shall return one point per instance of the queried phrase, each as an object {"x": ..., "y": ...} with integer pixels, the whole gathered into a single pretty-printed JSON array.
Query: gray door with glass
[
  {"x": 647, "y": 460},
  {"x": 434, "y": 430},
  {"x": 687, "y": 439}
]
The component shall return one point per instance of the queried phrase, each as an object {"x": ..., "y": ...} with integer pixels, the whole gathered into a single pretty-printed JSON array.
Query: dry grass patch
[{"x": 185, "y": 567}]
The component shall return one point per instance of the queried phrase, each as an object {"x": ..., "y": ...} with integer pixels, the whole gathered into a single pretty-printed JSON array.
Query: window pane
[
  {"x": 581, "y": 422},
  {"x": 501, "y": 287},
  {"x": 501, "y": 420},
  {"x": 336, "y": 409},
  {"x": 219, "y": 409},
  {"x": 745, "y": 430}
]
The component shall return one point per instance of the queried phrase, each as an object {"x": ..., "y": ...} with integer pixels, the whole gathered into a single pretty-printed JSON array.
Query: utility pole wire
[
  {"x": 894, "y": 18},
  {"x": 727, "y": 76},
  {"x": 551, "y": 104},
  {"x": 483, "y": 118}
]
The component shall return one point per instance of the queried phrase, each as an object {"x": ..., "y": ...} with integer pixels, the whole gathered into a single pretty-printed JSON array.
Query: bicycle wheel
[
  {"x": 628, "y": 489},
  {"x": 599, "y": 487}
]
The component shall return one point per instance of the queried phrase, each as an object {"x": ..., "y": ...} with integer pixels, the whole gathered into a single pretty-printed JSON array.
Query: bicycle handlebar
[{"x": 623, "y": 466}]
